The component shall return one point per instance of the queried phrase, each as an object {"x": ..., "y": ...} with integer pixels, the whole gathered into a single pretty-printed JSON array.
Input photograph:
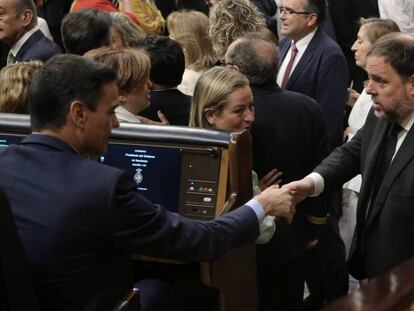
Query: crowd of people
[{"x": 325, "y": 87}]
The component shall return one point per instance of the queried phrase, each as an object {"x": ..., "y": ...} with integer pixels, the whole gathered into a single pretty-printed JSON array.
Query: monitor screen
[{"x": 155, "y": 169}]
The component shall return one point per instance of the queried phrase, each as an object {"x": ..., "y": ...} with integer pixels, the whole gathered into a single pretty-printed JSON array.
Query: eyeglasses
[{"x": 290, "y": 12}]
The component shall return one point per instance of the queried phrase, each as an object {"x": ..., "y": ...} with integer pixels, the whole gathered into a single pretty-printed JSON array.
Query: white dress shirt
[
  {"x": 301, "y": 45},
  {"x": 400, "y": 11}
]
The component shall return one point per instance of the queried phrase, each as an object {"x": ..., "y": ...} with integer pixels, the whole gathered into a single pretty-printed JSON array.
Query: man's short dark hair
[
  {"x": 167, "y": 60},
  {"x": 256, "y": 57},
  {"x": 22, "y": 5},
  {"x": 63, "y": 79},
  {"x": 319, "y": 7},
  {"x": 85, "y": 30},
  {"x": 397, "y": 50}
]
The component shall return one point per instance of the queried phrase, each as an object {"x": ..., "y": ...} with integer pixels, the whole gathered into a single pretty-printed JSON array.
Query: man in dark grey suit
[
  {"x": 281, "y": 118},
  {"x": 18, "y": 30},
  {"x": 382, "y": 151},
  {"x": 79, "y": 221}
]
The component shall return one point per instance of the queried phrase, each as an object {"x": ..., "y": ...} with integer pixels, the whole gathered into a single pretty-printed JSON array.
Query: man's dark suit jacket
[
  {"x": 80, "y": 220},
  {"x": 37, "y": 47},
  {"x": 289, "y": 134},
  {"x": 322, "y": 74},
  {"x": 175, "y": 105},
  {"x": 385, "y": 238}
]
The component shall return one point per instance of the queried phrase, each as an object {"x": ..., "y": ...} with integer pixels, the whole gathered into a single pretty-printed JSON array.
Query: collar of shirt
[
  {"x": 17, "y": 46},
  {"x": 408, "y": 122},
  {"x": 124, "y": 115},
  {"x": 303, "y": 43}
]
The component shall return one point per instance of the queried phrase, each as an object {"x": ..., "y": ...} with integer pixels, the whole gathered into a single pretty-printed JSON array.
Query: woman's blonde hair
[
  {"x": 14, "y": 83},
  {"x": 131, "y": 65},
  {"x": 190, "y": 30},
  {"x": 376, "y": 27},
  {"x": 230, "y": 19},
  {"x": 131, "y": 34},
  {"x": 211, "y": 92}
]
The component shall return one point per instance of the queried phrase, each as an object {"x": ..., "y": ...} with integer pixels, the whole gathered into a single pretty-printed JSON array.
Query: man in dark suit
[
  {"x": 79, "y": 221},
  {"x": 382, "y": 151},
  {"x": 281, "y": 118},
  {"x": 313, "y": 64},
  {"x": 319, "y": 69},
  {"x": 19, "y": 31},
  {"x": 167, "y": 68}
]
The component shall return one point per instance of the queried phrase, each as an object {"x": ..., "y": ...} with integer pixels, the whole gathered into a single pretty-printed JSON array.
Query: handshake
[{"x": 281, "y": 202}]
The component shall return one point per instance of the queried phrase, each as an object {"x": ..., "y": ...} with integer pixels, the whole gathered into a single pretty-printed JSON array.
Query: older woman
[
  {"x": 132, "y": 67},
  {"x": 14, "y": 83},
  {"x": 190, "y": 30},
  {"x": 124, "y": 33},
  {"x": 223, "y": 100}
]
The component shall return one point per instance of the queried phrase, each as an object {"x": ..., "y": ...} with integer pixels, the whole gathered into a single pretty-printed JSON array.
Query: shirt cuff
[
  {"x": 257, "y": 209},
  {"x": 319, "y": 183}
]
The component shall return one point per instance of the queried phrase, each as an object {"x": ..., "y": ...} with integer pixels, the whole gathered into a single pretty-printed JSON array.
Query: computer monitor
[{"x": 187, "y": 170}]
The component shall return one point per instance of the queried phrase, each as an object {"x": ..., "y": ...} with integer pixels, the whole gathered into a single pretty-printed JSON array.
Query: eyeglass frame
[{"x": 290, "y": 12}]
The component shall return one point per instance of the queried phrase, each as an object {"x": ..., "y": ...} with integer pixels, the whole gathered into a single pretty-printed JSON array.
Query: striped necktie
[{"x": 10, "y": 58}]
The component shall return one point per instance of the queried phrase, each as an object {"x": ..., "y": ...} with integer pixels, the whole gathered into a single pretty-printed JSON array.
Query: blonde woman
[
  {"x": 14, "y": 83},
  {"x": 190, "y": 30},
  {"x": 223, "y": 100},
  {"x": 230, "y": 19}
]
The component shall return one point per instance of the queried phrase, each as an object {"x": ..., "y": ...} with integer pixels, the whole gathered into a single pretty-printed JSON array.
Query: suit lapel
[
  {"x": 305, "y": 59},
  {"x": 370, "y": 158},
  {"x": 284, "y": 47},
  {"x": 36, "y": 36},
  {"x": 404, "y": 155}
]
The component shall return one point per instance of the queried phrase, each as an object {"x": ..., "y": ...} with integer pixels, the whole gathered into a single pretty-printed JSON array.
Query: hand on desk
[{"x": 277, "y": 202}]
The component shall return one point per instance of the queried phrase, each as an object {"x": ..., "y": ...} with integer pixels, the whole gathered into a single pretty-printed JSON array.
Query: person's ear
[
  {"x": 26, "y": 17},
  {"x": 236, "y": 68},
  {"x": 210, "y": 116},
  {"x": 313, "y": 19},
  {"x": 78, "y": 113},
  {"x": 411, "y": 85},
  {"x": 122, "y": 98}
]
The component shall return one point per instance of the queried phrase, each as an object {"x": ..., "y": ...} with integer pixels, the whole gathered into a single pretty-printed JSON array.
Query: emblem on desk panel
[{"x": 138, "y": 177}]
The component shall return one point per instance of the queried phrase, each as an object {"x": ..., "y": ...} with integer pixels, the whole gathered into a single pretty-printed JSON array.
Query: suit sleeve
[
  {"x": 343, "y": 163},
  {"x": 148, "y": 229}
]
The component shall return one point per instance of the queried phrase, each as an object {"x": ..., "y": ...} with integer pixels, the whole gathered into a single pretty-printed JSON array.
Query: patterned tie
[
  {"x": 10, "y": 58},
  {"x": 289, "y": 66}
]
